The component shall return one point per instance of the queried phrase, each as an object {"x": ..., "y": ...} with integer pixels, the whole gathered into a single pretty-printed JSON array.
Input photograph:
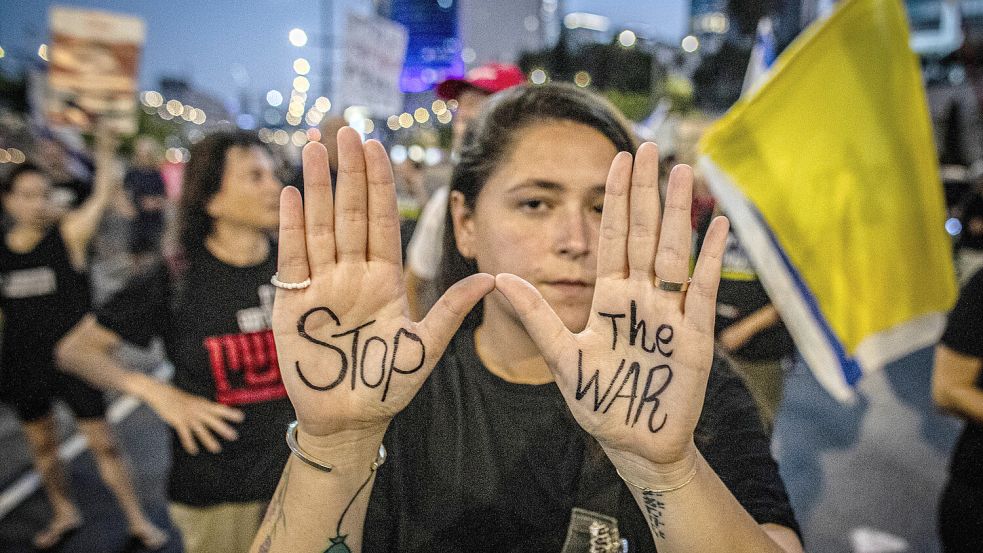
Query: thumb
[
  {"x": 446, "y": 315},
  {"x": 541, "y": 322}
]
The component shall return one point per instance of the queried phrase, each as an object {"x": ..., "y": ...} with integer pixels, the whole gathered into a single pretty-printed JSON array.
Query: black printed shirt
[
  {"x": 480, "y": 464},
  {"x": 215, "y": 324}
]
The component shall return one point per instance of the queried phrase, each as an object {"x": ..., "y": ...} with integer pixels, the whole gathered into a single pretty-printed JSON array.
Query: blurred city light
[
  {"x": 301, "y": 84},
  {"x": 302, "y": 66},
  {"x": 582, "y": 79},
  {"x": 393, "y": 122},
  {"x": 43, "y": 52},
  {"x": 531, "y": 23},
  {"x": 274, "y": 98},
  {"x": 417, "y": 153},
  {"x": 174, "y": 108},
  {"x": 445, "y": 117},
  {"x": 314, "y": 134},
  {"x": 468, "y": 55},
  {"x": 397, "y": 154},
  {"x": 538, "y": 76},
  {"x": 299, "y": 138},
  {"x": 445, "y": 4},
  {"x": 406, "y": 120},
  {"x": 690, "y": 44},
  {"x": 322, "y": 104},
  {"x": 298, "y": 37},
  {"x": 627, "y": 38},
  {"x": 438, "y": 107},
  {"x": 281, "y": 137},
  {"x": 583, "y": 20},
  {"x": 2, "y": 52},
  {"x": 953, "y": 226},
  {"x": 421, "y": 115}
]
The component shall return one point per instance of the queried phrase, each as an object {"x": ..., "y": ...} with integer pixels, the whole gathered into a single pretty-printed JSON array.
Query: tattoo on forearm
[
  {"x": 625, "y": 383},
  {"x": 276, "y": 516},
  {"x": 361, "y": 357},
  {"x": 654, "y": 508},
  {"x": 337, "y": 543}
]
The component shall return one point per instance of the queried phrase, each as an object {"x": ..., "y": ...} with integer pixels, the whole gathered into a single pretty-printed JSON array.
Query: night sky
[{"x": 229, "y": 48}]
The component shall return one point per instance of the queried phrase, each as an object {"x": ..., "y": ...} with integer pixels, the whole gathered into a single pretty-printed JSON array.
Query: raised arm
[
  {"x": 88, "y": 352},
  {"x": 79, "y": 225},
  {"x": 350, "y": 356},
  {"x": 636, "y": 377}
]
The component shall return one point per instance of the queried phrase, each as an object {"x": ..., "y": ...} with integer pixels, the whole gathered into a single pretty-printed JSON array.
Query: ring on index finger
[
  {"x": 289, "y": 285},
  {"x": 670, "y": 286}
]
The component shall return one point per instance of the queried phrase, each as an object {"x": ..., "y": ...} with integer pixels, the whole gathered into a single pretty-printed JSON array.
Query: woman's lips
[{"x": 571, "y": 287}]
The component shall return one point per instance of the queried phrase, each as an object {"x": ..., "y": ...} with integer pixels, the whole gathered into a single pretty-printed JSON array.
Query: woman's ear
[{"x": 463, "y": 221}]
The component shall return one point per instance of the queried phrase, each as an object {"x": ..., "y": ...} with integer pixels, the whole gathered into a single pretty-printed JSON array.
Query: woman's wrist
[
  {"x": 343, "y": 450},
  {"x": 640, "y": 472}
]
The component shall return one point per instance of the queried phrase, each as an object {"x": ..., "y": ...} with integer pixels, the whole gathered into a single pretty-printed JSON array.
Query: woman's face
[
  {"x": 538, "y": 216},
  {"x": 249, "y": 196},
  {"x": 27, "y": 203}
]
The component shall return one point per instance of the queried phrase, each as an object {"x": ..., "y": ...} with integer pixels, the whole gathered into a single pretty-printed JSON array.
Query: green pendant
[{"x": 338, "y": 545}]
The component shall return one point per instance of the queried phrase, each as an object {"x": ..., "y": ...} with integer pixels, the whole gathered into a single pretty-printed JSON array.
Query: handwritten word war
[{"x": 630, "y": 374}]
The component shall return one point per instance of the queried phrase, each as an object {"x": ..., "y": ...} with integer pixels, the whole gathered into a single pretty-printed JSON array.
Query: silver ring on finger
[
  {"x": 289, "y": 285},
  {"x": 670, "y": 286}
]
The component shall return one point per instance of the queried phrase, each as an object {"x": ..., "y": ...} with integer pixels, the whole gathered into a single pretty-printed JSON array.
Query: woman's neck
[
  {"x": 505, "y": 348},
  {"x": 237, "y": 246}
]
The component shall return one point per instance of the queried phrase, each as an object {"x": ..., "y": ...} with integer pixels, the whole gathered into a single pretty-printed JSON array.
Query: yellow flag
[{"x": 829, "y": 175}]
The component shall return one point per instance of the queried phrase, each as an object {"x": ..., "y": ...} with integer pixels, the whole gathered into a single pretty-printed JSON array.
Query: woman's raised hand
[
  {"x": 349, "y": 355},
  {"x": 635, "y": 378}
]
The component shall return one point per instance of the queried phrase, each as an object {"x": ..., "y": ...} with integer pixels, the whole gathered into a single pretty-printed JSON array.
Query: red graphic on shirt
[{"x": 245, "y": 368}]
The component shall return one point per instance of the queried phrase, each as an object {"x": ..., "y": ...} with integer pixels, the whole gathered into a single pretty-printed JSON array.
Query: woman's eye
[
  {"x": 598, "y": 208},
  {"x": 533, "y": 205}
]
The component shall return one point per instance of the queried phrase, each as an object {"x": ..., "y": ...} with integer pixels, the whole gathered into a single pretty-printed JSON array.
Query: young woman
[
  {"x": 44, "y": 290},
  {"x": 212, "y": 310},
  {"x": 591, "y": 360}
]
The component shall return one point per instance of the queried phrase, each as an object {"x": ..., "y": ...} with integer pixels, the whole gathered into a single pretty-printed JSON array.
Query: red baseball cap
[{"x": 490, "y": 78}]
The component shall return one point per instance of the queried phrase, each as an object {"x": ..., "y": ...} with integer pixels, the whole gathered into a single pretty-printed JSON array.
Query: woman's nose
[{"x": 573, "y": 233}]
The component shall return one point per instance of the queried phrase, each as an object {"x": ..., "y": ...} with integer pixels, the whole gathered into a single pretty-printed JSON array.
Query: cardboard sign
[
  {"x": 374, "y": 51},
  {"x": 93, "y": 63}
]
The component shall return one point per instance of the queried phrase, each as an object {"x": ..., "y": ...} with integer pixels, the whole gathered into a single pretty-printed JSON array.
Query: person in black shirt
[
  {"x": 44, "y": 291},
  {"x": 227, "y": 404},
  {"x": 581, "y": 367},
  {"x": 957, "y": 387},
  {"x": 145, "y": 186}
]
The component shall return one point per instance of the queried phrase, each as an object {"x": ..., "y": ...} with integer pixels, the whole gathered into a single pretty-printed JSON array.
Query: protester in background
[
  {"x": 227, "y": 405},
  {"x": 70, "y": 175},
  {"x": 957, "y": 387},
  {"x": 424, "y": 253},
  {"x": 499, "y": 443},
  {"x": 148, "y": 195},
  {"x": 44, "y": 291}
]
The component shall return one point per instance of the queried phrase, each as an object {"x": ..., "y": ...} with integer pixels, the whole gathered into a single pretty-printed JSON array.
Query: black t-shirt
[
  {"x": 964, "y": 334},
  {"x": 143, "y": 183},
  {"x": 42, "y": 297},
  {"x": 215, "y": 322},
  {"x": 480, "y": 464}
]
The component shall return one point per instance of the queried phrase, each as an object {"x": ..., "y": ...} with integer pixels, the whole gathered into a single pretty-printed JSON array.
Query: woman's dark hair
[
  {"x": 7, "y": 183},
  {"x": 489, "y": 141},
  {"x": 202, "y": 180}
]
